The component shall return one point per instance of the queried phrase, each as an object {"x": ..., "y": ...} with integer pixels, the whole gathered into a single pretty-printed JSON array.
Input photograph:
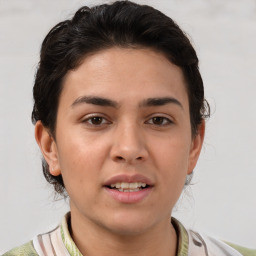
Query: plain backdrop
[{"x": 221, "y": 202}]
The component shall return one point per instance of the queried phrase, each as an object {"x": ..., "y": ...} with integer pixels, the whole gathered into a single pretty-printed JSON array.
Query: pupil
[
  {"x": 158, "y": 120},
  {"x": 96, "y": 120}
]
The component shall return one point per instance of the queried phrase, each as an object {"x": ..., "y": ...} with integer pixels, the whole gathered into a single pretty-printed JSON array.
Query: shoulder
[
  {"x": 211, "y": 246},
  {"x": 193, "y": 243},
  {"x": 244, "y": 251},
  {"x": 53, "y": 242},
  {"x": 23, "y": 250}
]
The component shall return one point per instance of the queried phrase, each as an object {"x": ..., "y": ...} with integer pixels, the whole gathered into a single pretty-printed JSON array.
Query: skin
[{"x": 132, "y": 137}]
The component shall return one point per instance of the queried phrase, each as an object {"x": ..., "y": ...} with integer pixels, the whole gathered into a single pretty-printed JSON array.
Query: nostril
[{"x": 120, "y": 158}]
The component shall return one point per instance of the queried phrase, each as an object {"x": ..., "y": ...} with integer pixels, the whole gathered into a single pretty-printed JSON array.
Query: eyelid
[
  {"x": 168, "y": 119},
  {"x": 90, "y": 116}
]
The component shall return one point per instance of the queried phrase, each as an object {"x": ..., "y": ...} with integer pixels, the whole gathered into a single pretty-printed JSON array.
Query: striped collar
[{"x": 66, "y": 237}]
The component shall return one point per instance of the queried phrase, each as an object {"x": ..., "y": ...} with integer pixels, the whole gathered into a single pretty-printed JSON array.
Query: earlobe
[
  {"x": 196, "y": 147},
  {"x": 48, "y": 148}
]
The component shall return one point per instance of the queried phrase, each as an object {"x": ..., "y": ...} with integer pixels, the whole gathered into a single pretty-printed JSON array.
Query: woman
[{"x": 119, "y": 114}]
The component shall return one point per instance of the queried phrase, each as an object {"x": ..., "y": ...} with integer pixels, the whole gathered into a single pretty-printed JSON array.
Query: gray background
[{"x": 222, "y": 200}]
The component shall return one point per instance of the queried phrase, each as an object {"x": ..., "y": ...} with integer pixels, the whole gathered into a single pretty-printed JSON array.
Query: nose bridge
[{"x": 128, "y": 144}]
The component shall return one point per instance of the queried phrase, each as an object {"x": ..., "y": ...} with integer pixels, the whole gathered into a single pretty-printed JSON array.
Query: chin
[
  {"x": 127, "y": 224},
  {"x": 126, "y": 229}
]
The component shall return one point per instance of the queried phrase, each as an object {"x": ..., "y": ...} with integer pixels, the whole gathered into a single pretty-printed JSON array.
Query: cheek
[
  {"x": 81, "y": 160},
  {"x": 172, "y": 160}
]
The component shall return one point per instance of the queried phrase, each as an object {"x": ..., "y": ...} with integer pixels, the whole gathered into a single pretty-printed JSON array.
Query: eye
[
  {"x": 159, "y": 121},
  {"x": 96, "y": 121}
]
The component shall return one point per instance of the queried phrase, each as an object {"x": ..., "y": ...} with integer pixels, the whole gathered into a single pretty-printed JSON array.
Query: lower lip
[{"x": 129, "y": 197}]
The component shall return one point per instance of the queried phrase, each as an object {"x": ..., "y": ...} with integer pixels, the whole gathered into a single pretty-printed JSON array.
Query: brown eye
[
  {"x": 159, "y": 121},
  {"x": 96, "y": 120}
]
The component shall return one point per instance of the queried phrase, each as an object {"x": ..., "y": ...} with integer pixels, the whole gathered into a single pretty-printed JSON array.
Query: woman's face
[{"x": 123, "y": 139}]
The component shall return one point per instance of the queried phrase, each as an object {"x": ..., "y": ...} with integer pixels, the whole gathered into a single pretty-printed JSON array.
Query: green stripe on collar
[
  {"x": 182, "y": 237},
  {"x": 66, "y": 237}
]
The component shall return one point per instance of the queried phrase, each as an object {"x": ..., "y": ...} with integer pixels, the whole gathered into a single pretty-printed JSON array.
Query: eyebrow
[
  {"x": 160, "y": 102},
  {"x": 95, "y": 101},
  {"x": 150, "y": 102}
]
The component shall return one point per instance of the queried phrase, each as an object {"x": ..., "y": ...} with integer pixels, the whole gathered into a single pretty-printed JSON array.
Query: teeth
[
  {"x": 129, "y": 190},
  {"x": 124, "y": 185},
  {"x": 127, "y": 187},
  {"x": 133, "y": 185}
]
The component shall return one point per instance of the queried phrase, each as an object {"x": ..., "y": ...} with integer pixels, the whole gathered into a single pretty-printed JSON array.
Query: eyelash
[
  {"x": 165, "y": 121},
  {"x": 89, "y": 119}
]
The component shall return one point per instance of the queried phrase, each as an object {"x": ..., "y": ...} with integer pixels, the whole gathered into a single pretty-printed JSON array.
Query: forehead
[{"x": 125, "y": 73}]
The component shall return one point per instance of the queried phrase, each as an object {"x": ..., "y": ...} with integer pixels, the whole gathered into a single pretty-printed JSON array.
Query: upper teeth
[{"x": 126, "y": 185}]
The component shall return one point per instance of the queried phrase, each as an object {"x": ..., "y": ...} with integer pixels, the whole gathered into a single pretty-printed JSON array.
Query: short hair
[{"x": 121, "y": 24}]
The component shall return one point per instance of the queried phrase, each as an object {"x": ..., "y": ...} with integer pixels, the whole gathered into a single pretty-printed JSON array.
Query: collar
[
  {"x": 182, "y": 237},
  {"x": 66, "y": 237}
]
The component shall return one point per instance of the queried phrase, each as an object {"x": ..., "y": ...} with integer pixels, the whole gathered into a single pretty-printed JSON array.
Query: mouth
[
  {"x": 129, "y": 189},
  {"x": 128, "y": 186}
]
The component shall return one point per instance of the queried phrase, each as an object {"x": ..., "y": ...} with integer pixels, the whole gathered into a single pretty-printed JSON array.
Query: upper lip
[{"x": 128, "y": 179}]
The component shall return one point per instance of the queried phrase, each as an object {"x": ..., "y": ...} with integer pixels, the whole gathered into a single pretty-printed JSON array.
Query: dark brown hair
[{"x": 121, "y": 24}]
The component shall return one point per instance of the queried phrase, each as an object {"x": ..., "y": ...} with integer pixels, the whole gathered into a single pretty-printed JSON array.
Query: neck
[{"x": 92, "y": 239}]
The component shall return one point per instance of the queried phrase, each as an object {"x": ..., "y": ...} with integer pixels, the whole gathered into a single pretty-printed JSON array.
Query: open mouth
[{"x": 128, "y": 187}]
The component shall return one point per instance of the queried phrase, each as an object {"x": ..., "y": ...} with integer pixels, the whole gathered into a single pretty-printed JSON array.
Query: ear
[
  {"x": 196, "y": 146},
  {"x": 48, "y": 148}
]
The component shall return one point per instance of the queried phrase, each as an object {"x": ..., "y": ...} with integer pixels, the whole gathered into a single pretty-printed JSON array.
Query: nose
[{"x": 129, "y": 145}]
